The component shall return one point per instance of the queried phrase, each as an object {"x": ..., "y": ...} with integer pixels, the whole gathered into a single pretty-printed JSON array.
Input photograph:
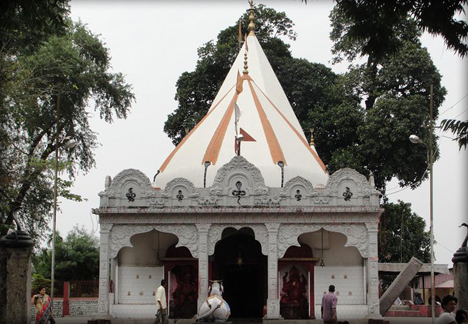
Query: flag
[
  {"x": 247, "y": 137},
  {"x": 237, "y": 113},
  {"x": 239, "y": 86}
]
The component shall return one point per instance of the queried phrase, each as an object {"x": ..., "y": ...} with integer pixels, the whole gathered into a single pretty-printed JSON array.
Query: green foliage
[
  {"x": 45, "y": 89},
  {"x": 395, "y": 91},
  {"x": 76, "y": 258},
  {"x": 370, "y": 24},
  {"x": 460, "y": 128},
  {"x": 402, "y": 235},
  {"x": 196, "y": 90}
]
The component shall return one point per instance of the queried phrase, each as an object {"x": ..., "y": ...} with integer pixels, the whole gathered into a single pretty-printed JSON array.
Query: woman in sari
[{"x": 43, "y": 308}]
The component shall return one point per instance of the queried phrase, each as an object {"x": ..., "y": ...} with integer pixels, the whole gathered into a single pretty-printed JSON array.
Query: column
[
  {"x": 103, "y": 302},
  {"x": 203, "y": 230},
  {"x": 15, "y": 277},
  {"x": 273, "y": 304},
  {"x": 373, "y": 303}
]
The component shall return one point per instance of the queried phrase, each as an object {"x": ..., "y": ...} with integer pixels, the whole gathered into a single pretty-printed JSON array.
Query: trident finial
[{"x": 251, "y": 19}]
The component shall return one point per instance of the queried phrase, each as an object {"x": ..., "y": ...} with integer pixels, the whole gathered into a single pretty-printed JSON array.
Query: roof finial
[
  {"x": 251, "y": 19},
  {"x": 246, "y": 64}
]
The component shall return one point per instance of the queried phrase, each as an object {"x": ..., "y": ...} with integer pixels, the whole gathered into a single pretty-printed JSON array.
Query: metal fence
[
  {"x": 78, "y": 289},
  {"x": 84, "y": 288}
]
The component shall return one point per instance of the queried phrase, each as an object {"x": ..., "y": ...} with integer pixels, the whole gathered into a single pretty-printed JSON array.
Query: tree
[
  {"x": 373, "y": 23},
  {"x": 459, "y": 128},
  {"x": 371, "y": 27},
  {"x": 76, "y": 258},
  {"x": 395, "y": 92},
  {"x": 401, "y": 237},
  {"x": 46, "y": 90}
]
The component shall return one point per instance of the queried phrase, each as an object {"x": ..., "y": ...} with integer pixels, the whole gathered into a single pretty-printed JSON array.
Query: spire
[{"x": 251, "y": 19}]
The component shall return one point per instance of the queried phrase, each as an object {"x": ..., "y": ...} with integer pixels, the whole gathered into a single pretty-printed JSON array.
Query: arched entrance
[{"x": 239, "y": 262}]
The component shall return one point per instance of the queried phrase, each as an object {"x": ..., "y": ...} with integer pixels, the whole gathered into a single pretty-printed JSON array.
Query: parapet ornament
[
  {"x": 239, "y": 164},
  {"x": 130, "y": 175},
  {"x": 121, "y": 235},
  {"x": 356, "y": 235},
  {"x": 180, "y": 182},
  {"x": 364, "y": 187},
  {"x": 286, "y": 190}
]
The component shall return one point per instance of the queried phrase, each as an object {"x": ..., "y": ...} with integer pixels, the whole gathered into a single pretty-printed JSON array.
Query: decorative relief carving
[
  {"x": 105, "y": 227},
  {"x": 121, "y": 235},
  {"x": 216, "y": 231},
  {"x": 116, "y": 186},
  {"x": 363, "y": 185},
  {"x": 286, "y": 190},
  {"x": 188, "y": 185},
  {"x": 208, "y": 200},
  {"x": 239, "y": 164},
  {"x": 273, "y": 308},
  {"x": 356, "y": 235},
  {"x": 103, "y": 306},
  {"x": 266, "y": 201}
]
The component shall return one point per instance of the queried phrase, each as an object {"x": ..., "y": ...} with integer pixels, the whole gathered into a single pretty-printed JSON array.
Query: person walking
[
  {"x": 449, "y": 303},
  {"x": 161, "y": 305},
  {"x": 328, "y": 309}
]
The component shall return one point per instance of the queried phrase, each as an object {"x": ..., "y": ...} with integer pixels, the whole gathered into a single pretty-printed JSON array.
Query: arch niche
[{"x": 239, "y": 262}]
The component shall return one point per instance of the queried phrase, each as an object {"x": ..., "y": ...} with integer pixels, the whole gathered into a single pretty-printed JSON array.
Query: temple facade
[{"x": 244, "y": 198}]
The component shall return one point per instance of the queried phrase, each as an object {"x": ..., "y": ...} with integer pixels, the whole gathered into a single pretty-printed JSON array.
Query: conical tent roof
[{"x": 265, "y": 115}]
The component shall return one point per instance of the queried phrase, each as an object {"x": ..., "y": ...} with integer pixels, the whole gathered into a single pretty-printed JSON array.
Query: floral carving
[
  {"x": 286, "y": 190},
  {"x": 356, "y": 235},
  {"x": 121, "y": 235},
  {"x": 239, "y": 164}
]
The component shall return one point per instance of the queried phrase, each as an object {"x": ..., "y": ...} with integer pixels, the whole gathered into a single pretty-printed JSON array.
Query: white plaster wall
[
  {"x": 334, "y": 251},
  {"x": 137, "y": 285},
  {"x": 348, "y": 282},
  {"x": 145, "y": 248}
]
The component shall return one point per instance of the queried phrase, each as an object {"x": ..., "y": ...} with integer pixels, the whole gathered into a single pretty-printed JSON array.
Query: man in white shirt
[{"x": 161, "y": 307}]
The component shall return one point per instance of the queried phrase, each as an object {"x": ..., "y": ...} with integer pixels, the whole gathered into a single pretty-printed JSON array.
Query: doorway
[{"x": 239, "y": 262}]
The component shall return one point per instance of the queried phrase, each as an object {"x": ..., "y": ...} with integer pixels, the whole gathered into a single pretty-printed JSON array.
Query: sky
[{"x": 153, "y": 42}]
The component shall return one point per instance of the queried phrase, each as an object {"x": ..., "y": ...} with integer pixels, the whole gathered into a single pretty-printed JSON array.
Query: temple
[{"x": 244, "y": 198}]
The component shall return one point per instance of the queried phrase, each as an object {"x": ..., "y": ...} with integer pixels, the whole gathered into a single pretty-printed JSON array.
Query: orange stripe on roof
[
  {"x": 212, "y": 151},
  {"x": 275, "y": 148},
  {"x": 169, "y": 158},
  {"x": 314, "y": 154}
]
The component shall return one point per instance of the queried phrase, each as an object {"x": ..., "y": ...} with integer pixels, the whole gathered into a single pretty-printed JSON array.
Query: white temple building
[{"x": 266, "y": 219}]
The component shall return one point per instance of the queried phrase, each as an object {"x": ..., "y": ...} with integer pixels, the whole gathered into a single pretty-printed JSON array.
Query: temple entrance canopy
[{"x": 234, "y": 215}]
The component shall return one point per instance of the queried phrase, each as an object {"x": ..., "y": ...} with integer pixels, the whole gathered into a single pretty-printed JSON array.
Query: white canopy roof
[{"x": 265, "y": 114}]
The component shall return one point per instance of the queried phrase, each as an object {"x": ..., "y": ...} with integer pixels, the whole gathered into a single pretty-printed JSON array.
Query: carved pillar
[
  {"x": 373, "y": 273},
  {"x": 103, "y": 302},
  {"x": 202, "y": 262},
  {"x": 273, "y": 304}
]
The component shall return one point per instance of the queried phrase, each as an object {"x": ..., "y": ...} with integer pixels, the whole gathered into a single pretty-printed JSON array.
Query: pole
[
  {"x": 431, "y": 202},
  {"x": 54, "y": 220}
]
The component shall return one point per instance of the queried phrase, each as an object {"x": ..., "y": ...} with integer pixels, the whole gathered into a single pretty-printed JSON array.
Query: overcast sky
[{"x": 154, "y": 42}]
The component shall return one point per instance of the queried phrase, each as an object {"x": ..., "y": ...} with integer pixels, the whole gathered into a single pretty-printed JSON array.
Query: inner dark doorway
[{"x": 238, "y": 260}]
